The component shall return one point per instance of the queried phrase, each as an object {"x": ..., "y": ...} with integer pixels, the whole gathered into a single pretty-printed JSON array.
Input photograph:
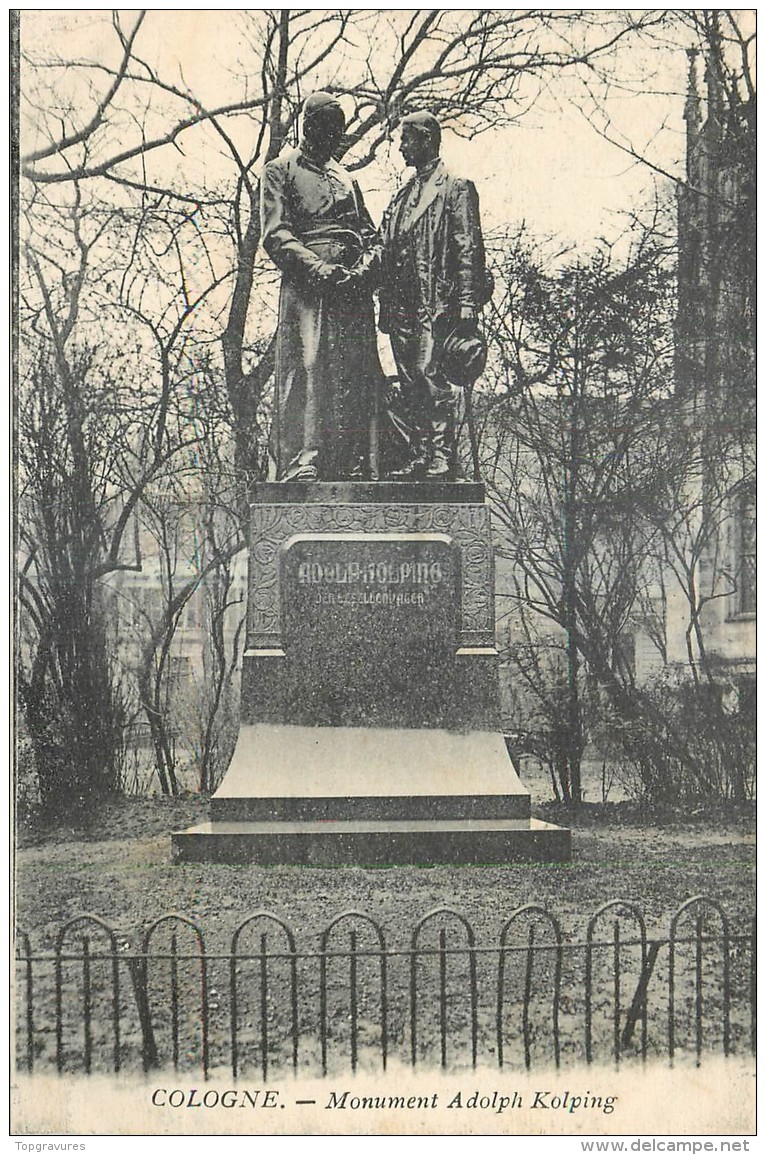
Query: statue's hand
[
  {"x": 353, "y": 280},
  {"x": 363, "y": 275},
  {"x": 325, "y": 273},
  {"x": 467, "y": 322},
  {"x": 392, "y": 395}
]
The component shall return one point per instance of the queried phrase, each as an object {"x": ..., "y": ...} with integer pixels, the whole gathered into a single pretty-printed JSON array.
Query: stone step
[
  {"x": 370, "y": 808},
  {"x": 481, "y": 841},
  {"x": 392, "y": 493}
]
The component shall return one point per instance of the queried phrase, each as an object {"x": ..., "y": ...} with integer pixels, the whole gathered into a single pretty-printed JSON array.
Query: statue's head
[
  {"x": 421, "y": 138},
  {"x": 323, "y": 125}
]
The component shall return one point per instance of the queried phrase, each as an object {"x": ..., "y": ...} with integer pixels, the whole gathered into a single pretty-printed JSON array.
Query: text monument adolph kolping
[{"x": 370, "y": 730}]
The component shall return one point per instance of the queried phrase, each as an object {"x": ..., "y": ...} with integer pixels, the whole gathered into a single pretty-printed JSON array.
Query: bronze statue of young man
[
  {"x": 316, "y": 229},
  {"x": 434, "y": 283}
]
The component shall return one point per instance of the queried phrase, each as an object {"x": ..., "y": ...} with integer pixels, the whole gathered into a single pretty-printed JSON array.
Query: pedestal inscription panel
[
  {"x": 370, "y": 627},
  {"x": 465, "y": 524}
]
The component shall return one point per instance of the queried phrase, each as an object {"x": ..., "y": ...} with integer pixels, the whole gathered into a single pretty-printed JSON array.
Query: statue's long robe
[{"x": 327, "y": 365}]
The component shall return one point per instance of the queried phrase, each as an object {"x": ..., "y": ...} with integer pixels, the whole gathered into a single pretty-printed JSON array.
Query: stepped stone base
[
  {"x": 370, "y": 796},
  {"x": 467, "y": 842},
  {"x": 370, "y": 709}
]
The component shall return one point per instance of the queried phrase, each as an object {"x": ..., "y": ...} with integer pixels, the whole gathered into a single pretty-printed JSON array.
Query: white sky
[{"x": 553, "y": 170}]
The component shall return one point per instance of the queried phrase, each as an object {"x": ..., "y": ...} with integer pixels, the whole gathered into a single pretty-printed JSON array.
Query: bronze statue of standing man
[
  {"x": 317, "y": 230},
  {"x": 434, "y": 284}
]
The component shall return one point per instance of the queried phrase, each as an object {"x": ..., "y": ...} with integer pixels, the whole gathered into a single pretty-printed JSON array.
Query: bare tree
[
  {"x": 473, "y": 70},
  {"x": 64, "y": 674},
  {"x": 194, "y": 527},
  {"x": 570, "y": 436},
  {"x": 97, "y": 429}
]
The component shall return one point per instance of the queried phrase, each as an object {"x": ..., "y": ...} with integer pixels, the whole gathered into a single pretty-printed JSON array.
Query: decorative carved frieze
[{"x": 467, "y": 525}]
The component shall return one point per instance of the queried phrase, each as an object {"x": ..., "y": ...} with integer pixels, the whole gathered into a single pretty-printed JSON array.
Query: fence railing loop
[
  {"x": 173, "y": 922},
  {"x": 358, "y": 918},
  {"x": 700, "y": 906},
  {"x": 621, "y": 908},
  {"x": 86, "y": 922},
  {"x": 531, "y": 913},
  {"x": 470, "y": 949},
  {"x": 263, "y": 956},
  {"x": 24, "y": 954}
]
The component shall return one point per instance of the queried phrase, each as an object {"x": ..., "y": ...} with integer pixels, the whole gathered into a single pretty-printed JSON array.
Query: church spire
[
  {"x": 713, "y": 79},
  {"x": 692, "y": 114}
]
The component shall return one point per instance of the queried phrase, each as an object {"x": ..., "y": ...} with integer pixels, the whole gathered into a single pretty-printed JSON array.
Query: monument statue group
[
  {"x": 370, "y": 716},
  {"x": 428, "y": 263}
]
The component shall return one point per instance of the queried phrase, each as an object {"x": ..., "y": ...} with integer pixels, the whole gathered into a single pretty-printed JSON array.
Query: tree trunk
[
  {"x": 245, "y": 389},
  {"x": 574, "y": 712}
]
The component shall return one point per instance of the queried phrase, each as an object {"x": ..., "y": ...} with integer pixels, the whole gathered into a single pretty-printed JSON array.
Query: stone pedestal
[{"x": 370, "y": 730}]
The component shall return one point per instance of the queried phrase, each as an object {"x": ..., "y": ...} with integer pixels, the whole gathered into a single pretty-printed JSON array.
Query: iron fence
[{"x": 436, "y": 996}]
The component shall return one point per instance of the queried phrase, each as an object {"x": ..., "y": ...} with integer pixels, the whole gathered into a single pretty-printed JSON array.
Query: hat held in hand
[{"x": 463, "y": 358}]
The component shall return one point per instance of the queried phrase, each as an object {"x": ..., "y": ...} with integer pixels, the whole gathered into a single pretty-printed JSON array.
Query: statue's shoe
[
  {"x": 414, "y": 470},
  {"x": 303, "y": 473},
  {"x": 360, "y": 472},
  {"x": 439, "y": 469}
]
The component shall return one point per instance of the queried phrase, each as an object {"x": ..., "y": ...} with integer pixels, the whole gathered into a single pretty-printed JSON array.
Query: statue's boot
[
  {"x": 415, "y": 467},
  {"x": 303, "y": 473},
  {"x": 360, "y": 471},
  {"x": 303, "y": 467},
  {"x": 441, "y": 463},
  {"x": 440, "y": 467},
  {"x": 414, "y": 470}
]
